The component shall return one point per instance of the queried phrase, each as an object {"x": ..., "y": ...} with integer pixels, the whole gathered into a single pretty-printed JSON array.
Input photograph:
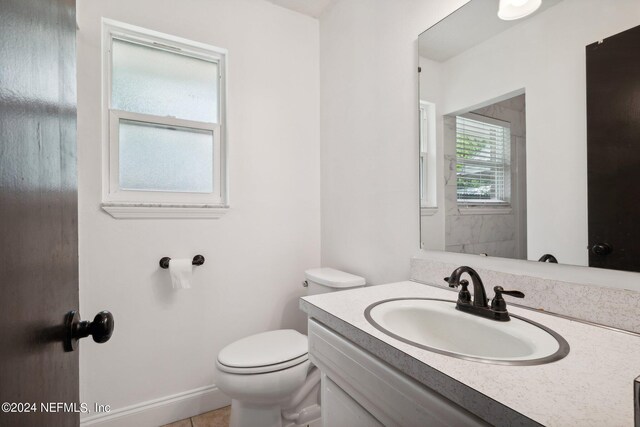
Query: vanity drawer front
[{"x": 390, "y": 396}]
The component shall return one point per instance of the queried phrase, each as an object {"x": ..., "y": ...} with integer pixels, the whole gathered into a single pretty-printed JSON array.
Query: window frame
[
  {"x": 428, "y": 158},
  {"x": 488, "y": 205},
  {"x": 167, "y": 204},
  {"x": 116, "y": 194}
]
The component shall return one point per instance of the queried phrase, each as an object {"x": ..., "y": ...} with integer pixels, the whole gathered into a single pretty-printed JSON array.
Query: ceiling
[
  {"x": 470, "y": 25},
  {"x": 313, "y": 8}
]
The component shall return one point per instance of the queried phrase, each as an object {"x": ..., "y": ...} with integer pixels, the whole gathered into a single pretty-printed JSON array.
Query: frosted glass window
[
  {"x": 155, "y": 81},
  {"x": 164, "y": 112},
  {"x": 165, "y": 158}
]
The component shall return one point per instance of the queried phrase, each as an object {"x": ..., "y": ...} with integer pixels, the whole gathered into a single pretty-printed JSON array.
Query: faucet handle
[
  {"x": 498, "y": 303},
  {"x": 464, "y": 296},
  {"x": 516, "y": 294}
]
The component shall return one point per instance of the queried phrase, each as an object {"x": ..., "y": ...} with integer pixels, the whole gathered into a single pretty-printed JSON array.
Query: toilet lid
[{"x": 265, "y": 352}]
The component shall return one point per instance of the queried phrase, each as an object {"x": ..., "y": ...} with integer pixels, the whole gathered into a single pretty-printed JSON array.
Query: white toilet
[{"x": 268, "y": 375}]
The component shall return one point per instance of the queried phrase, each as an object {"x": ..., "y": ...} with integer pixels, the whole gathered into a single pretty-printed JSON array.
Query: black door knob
[
  {"x": 100, "y": 329},
  {"x": 601, "y": 249}
]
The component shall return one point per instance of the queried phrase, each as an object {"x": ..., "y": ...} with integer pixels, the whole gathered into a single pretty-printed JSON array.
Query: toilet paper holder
[{"x": 197, "y": 260}]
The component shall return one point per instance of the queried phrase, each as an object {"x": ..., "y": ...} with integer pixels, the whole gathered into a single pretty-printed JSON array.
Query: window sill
[
  {"x": 163, "y": 211},
  {"x": 428, "y": 211},
  {"x": 484, "y": 210}
]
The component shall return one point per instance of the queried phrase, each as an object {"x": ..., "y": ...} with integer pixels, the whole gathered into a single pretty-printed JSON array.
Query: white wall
[
  {"x": 547, "y": 59},
  {"x": 166, "y": 341},
  {"x": 369, "y": 122}
]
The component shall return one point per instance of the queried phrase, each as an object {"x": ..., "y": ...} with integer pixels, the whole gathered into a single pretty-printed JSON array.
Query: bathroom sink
[{"x": 437, "y": 326}]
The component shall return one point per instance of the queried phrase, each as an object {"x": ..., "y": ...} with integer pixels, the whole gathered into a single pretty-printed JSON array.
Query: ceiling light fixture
[{"x": 510, "y": 10}]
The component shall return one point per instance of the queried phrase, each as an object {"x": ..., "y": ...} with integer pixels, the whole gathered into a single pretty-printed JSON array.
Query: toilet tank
[{"x": 323, "y": 280}]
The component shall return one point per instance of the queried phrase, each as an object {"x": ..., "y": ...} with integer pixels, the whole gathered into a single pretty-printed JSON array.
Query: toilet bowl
[{"x": 268, "y": 376}]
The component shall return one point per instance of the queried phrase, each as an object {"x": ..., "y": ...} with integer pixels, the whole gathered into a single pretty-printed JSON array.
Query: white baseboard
[{"x": 161, "y": 411}]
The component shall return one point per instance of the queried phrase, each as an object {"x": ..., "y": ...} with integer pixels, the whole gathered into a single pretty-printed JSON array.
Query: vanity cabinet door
[{"x": 339, "y": 409}]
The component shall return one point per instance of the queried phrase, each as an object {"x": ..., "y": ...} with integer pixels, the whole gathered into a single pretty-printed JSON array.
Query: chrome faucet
[{"x": 498, "y": 308}]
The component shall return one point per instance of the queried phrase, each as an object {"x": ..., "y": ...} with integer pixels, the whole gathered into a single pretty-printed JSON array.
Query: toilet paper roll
[{"x": 181, "y": 271}]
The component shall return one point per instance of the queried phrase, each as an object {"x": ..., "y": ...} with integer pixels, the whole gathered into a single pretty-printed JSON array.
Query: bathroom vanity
[{"x": 370, "y": 378}]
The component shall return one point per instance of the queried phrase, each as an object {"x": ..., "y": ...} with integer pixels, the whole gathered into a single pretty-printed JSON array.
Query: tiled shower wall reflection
[{"x": 496, "y": 234}]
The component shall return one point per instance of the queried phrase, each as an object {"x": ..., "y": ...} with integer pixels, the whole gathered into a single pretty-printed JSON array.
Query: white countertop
[{"x": 591, "y": 386}]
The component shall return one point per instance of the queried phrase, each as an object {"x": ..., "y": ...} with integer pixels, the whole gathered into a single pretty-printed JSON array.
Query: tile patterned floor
[{"x": 217, "y": 418}]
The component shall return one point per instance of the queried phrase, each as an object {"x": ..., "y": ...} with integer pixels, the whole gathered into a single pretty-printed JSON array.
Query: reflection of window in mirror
[
  {"x": 428, "y": 184},
  {"x": 485, "y": 187},
  {"x": 483, "y": 161}
]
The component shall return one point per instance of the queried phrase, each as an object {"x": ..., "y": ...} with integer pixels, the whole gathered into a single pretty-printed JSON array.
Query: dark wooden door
[
  {"x": 613, "y": 149},
  {"x": 38, "y": 209}
]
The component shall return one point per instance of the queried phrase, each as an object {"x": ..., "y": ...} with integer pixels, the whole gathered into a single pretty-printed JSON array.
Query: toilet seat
[
  {"x": 263, "y": 353},
  {"x": 263, "y": 369}
]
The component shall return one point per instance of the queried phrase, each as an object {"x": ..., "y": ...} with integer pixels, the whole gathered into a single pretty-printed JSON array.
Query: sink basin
[{"x": 437, "y": 326}]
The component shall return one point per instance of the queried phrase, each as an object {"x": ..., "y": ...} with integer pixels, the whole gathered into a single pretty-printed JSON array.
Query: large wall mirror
[{"x": 530, "y": 133}]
